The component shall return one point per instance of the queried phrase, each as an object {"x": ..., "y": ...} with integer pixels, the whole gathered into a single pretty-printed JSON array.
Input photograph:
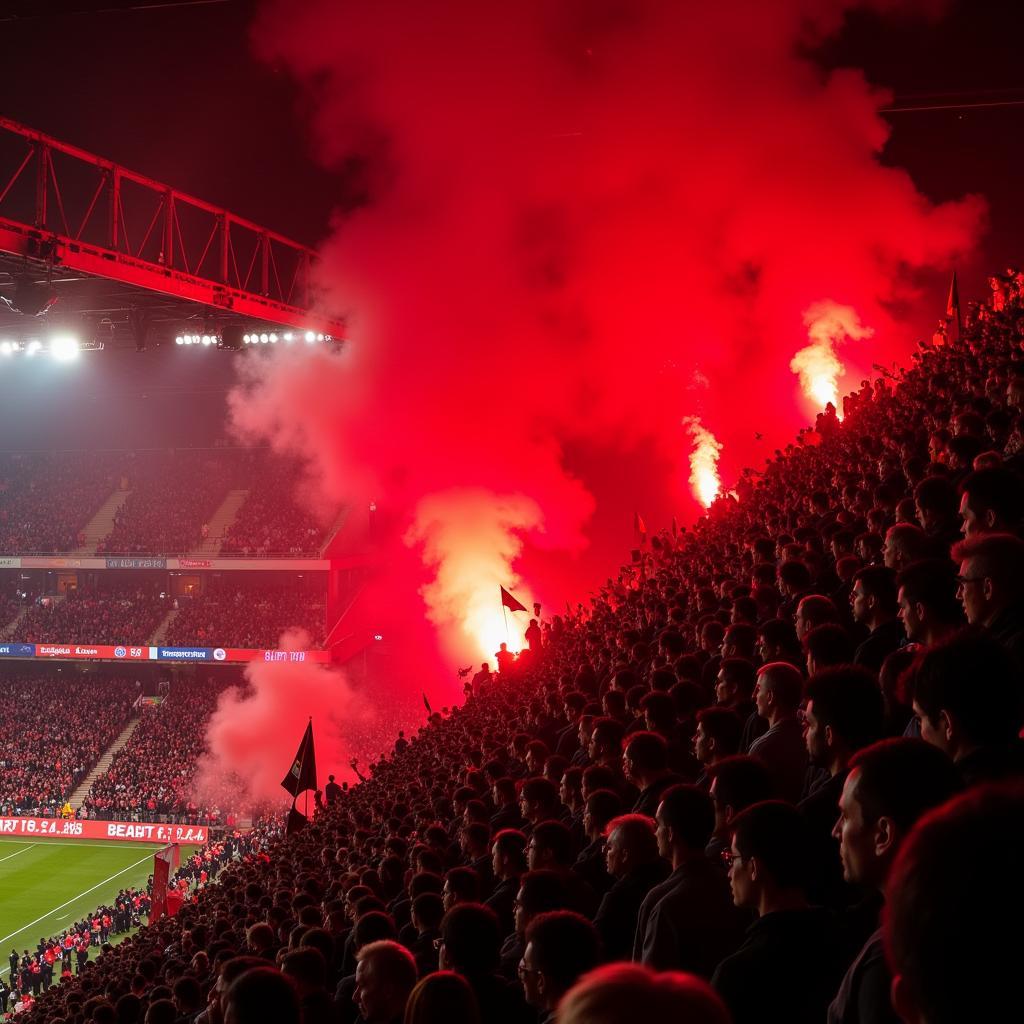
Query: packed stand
[
  {"x": 101, "y": 616},
  {"x": 173, "y": 495},
  {"x": 54, "y": 730},
  {"x": 271, "y": 520},
  {"x": 253, "y": 616},
  {"x": 46, "y": 499},
  {"x": 765, "y": 775},
  {"x": 150, "y": 776}
]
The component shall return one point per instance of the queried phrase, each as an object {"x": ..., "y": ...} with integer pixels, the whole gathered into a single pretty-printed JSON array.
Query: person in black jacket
[
  {"x": 632, "y": 859},
  {"x": 791, "y": 958}
]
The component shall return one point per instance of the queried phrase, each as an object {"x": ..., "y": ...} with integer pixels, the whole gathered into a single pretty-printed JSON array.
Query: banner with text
[
  {"x": 116, "y": 831},
  {"x": 182, "y": 655}
]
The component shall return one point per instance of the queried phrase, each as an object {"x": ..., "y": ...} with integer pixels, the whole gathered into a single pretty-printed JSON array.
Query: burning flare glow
[
  {"x": 817, "y": 365},
  {"x": 703, "y": 461}
]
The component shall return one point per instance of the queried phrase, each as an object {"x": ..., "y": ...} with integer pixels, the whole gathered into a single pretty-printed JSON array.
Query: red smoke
[{"x": 583, "y": 222}]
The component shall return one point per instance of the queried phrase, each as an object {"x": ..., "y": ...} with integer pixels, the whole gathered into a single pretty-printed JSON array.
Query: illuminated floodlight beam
[{"x": 64, "y": 348}]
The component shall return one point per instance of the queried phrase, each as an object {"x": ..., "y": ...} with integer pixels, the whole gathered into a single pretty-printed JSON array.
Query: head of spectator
[
  {"x": 776, "y": 641},
  {"x": 843, "y": 714},
  {"x": 685, "y": 822},
  {"x": 794, "y": 578},
  {"x": 826, "y": 646},
  {"x": 778, "y": 691},
  {"x": 538, "y": 800},
  {"x": 443, "y": 997},
  {"x": 560, "y": 948},
  {"x": 385, "y": 975},
  {"x": 470, "y": 941},
  {"x": 890, "y": 785},
  {"x": 717, "y": 735},
  {"x": 631, "y": 843},
  {"x": 904, "y": 543},
  {"x": 991, "y": 501},
  {"x": 736, "y": 783},
  {"x": 873, "y": 598},
  {"x": 644, "y": 758},
  {"x": 739, "y": 641},
  {"x": 539, "y": 892},
  {"x": 308, "y": 970},
  {"x": 937, "y": 506},
  {"x": 813, "y": 610},
  {"x": 508, "y": 853},
  {"x": 261, "y": 994},
  {"x": 948, "y": 913},
  {"x": 602, "y": 805},
  {"x": 625, "y": 993},
  {"x": 550, "y": 846},
  {"x": 606, "y": 742},
  {"x": 927, "y": 597},
  {"x": 461, "y": 885},
  {"x": 991, "y": 577},
  {"x": 769, "y": 858},
  {"x": 734, "y": 686},
  {"x": 967, "y": 695}
]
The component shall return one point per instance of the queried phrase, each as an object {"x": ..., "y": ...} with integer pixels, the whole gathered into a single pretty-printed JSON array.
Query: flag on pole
[
  {"x": 165, "y": 862},
  {"x": 302, "y": 775},
  {"x": 953, "y": 320},
  {"x": 509, "y": 602},
  {"x": 426, "y": 703},
  {"x": 639, "y": 528},
  {"x": 296, "y": 822}
]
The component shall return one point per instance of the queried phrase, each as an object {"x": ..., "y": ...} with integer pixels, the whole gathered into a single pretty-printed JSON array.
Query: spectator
[
  {"x": 686, "y": 922},
  {"x": 781, "y": 748},
  {"x": 790, "y": 961},
  {"x": 873, "y": 600},
  {"x": 889, "y": 786},
  {"x": 443, "y": 997},
  {"x": 645, "y": 766},
  {"x": 929, "y": 608},
  {"x": 991, "y": 501},
  {"x": 385, "y": 976},
  {"x": 261, "y": 994},
  {"x": 826, "y": 646},
  {"x": 946, "y": 943},
  {"x": 634, "y": 863},
  {"x": 560, "y": 947},
  {"x": 991, "y": 583}
]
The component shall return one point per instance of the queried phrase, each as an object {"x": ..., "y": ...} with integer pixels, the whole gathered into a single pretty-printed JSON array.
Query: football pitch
[{"x": 46, "y": 885}]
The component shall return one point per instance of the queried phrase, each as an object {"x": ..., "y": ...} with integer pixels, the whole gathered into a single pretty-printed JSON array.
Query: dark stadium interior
[{"x": 511, "y": 514}]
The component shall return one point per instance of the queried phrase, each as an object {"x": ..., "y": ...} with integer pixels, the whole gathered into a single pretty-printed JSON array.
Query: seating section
[
  {"x": 47, "y": 499},
  {"x": 54, "y": 730},
  {"x": 271, "y": 521},
  {"x": 150, "y": 775},
  {"x": 109, "y": 616},
  {"x": 252, "y": 616}
]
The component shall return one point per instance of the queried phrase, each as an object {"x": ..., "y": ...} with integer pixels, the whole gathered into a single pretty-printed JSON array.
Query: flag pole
[
  {"x": 305, "y": 799},
  {"x": 504, "y": 614}
]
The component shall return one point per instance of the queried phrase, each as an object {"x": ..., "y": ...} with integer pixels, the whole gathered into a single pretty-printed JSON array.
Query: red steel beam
[{"x": 119, "y": 261}]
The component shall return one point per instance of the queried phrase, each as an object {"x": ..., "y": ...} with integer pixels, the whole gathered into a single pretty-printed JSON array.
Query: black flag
[
  {"x": 297, "y": 821},
  {"x": 426, "y": 704},
  {"x": 302, "y": 775}
]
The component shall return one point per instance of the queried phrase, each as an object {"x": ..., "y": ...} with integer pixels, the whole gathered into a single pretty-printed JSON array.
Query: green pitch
[{"x": 45, "y": 885}]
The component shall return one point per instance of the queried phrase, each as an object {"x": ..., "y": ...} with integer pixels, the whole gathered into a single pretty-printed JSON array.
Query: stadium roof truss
[{"x": 110, "y": 238}]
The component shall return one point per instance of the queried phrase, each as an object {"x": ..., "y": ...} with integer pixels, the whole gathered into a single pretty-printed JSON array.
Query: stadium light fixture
[{"x": 64, "y": 348}]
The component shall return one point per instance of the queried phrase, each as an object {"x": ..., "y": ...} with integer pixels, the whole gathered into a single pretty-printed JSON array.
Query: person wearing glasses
[
  {"x": 791, "y": 958},
  {"x": 560, "y": 948}
]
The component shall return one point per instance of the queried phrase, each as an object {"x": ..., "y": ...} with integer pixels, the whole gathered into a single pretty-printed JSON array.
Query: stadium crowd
[
  {"x": 248, "y": 617},
  {"x": 55, "y": 730},
  {"x": 46, "y": 499},
  {"x": 768, "y": 774},
  {"x": 95, "y": 617},
  {"x": 171, "y": 500},
  {"x": 271, "y": 521},
  {"x": 149, "y": 778}
]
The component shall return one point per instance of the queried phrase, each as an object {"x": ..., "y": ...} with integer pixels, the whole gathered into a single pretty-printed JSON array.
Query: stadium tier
[{"x": 721, "y": 766}]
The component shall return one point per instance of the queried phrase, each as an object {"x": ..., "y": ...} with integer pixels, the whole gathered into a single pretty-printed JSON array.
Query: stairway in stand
[
  {"x": 157, "y": 639},
  {"x": 102, "y": 523},
  {"x": 220, "y": 522},
  {"x": 78, "y": 797}
]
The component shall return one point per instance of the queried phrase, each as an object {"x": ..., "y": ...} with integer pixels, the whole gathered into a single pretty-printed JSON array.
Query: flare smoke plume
[
  {"x": 817, "y": 364},
  {"x": 561, "y": 228},
  {"x": 704, "y": 477}
]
